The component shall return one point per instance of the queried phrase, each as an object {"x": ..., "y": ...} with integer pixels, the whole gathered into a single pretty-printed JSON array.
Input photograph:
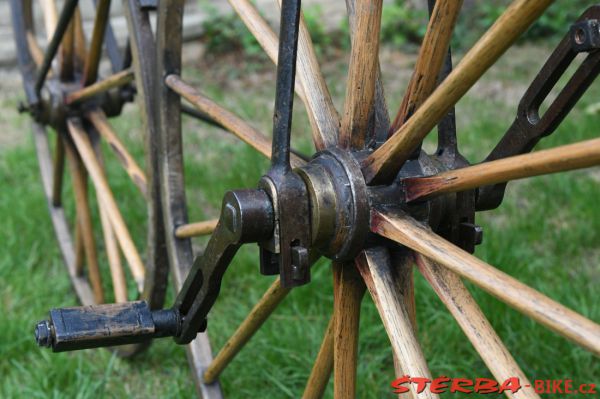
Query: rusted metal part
[
  {"x": 529, "y": 127},
  {"x": 286, "y": 251},
  {"x": 246, "y": 216},
  {"x": 339, "y": 204},
  {"x": 97, "y": 326}
]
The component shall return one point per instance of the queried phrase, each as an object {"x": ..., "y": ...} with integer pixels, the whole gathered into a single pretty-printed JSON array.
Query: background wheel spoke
[
  {"x": 103, "y": 127},
  {"x": 105, "y": 195},
  {"x": 84, "y": 220},
  {"x": 227, "y": 119}
]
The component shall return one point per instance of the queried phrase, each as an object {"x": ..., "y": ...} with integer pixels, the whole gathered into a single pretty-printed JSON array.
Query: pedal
[{"x": 87, "y": 327}]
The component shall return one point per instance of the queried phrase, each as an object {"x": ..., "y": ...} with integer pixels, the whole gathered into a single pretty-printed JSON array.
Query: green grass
[{"x": 546, "y": 233}]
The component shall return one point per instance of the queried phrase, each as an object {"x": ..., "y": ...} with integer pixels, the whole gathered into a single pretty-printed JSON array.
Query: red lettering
[
  {"x": 421, "y": 383},
  {"x": 398, "y": 382},
  {"x": 538, "y": 386},
  {"x": 439, "y": 385},
  {"x": 512, "y": 384},
  {"x": 556, "y": 386},
  {"x": 485, "y": 386},
  {"x": 460, "y": 385},
  {"x": 592, "y": 389},
  {"x": 568, "y": 386}
]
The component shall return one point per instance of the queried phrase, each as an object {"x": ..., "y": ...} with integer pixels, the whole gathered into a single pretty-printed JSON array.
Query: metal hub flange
[{"x": 339, "y": 203}]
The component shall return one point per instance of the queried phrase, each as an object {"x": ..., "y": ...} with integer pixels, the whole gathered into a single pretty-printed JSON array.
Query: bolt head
[{"x": 43, "y": 334}]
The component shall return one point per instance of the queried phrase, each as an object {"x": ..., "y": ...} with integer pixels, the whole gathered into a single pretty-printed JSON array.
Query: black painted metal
[
  {"x": 529, "y": 127},
  {"x": 86, "y": 327},
  {"x": 286, "y": 252},
  {"x": 61, "y": 27}
]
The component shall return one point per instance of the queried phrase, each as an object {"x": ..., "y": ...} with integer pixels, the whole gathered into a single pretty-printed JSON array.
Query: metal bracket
[
  {"x": 286, "y": 252},
  {"x": 529, "y": 127}
]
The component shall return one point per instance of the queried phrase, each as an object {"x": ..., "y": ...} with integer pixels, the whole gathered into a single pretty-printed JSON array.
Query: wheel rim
[{"x": 154, "y": 283}]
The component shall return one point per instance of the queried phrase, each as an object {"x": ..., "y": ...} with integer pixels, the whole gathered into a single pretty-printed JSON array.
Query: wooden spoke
[
  {"x": 322, "y": 368},
  {"x": 385, "y": 286},
  {"x": 318, "y": 103},
  {"x": 80, "y": 42},
  {"x": 196, "y": 229},
  {"x": 230, "y": 121},
  {"x": 101, "y": 124},
  {"x": 50, "y": 13},
  {"x": 318, "y": 100},
  {"x": 118, "y": 79},
  {"x": 67, "y": 51},
  {"x": 568, "y": 157},
  {"x": 58, "y": 171},
  {"x": 407, "y": 231},
  {"x": 90, "y": 71},
  {"x": 381, "y": 118},
  {"x": 79, "y": 250},
  {"x": 431, "y": 58},
  {"x": 84, "y": 220},
  {"x": 107, "y": 199},
  {"x": 35, "y": 50},
  {"x": 383, "y": 164},
  {"x": 475, "y": 325},
  {"x": 255, "y": 319},
  {"x": 117, "y": 273},
  {"x": 266, "y": 37},
  {"x": 348, "y": 291},
  {"x": 362, "y": 73}
]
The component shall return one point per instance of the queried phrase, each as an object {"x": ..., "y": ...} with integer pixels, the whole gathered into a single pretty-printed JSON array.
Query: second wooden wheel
[
  {"x": 432, "y": 231},
  {"x": 98, "y": 231}
]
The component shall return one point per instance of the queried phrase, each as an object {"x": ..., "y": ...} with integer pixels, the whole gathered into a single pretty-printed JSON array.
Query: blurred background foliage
[{"x": 403, "y": 26}]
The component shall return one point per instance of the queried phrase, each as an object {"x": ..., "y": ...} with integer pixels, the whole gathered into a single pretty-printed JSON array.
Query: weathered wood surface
[
  {"x": 411, "y": 233},
  {"x": 105, "y": 195},
  {"x": 362, "y": 74},
  {"x": 383, "y": 164},
  {"x": 386, "y": 288},
  {"x": 348, "y": 291},
  {"x": 84, "y": 220},
  {"x": 431, "y": 58},
  {"x": 116, "y": 80},
  {"x": 322, "y": 367},
  {"x": 227, "y": 119},
  {"x": 130, "y": 165},
  {"x": 255, "y": 319},
  {"x": 457, "y": 298},
  {"x": 196, "y": 229},
  {"x": 564, "y": 158}
]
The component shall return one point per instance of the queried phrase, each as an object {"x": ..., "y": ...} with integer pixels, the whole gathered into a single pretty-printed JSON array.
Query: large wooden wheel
[
  {"x": 384, "y": 150},
  {"x": 62, "y": 75},
  {"x": 369, "y": 199}
]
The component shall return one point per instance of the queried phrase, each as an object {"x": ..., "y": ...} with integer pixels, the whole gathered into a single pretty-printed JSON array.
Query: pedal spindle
[{"x": 87, "y": 327}]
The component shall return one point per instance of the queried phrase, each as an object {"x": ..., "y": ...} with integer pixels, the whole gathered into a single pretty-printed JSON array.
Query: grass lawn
[{"x": 546, "y": 233}]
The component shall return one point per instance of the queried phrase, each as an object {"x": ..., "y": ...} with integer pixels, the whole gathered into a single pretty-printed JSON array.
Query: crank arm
[
  {"x": 246, "y": 216},
  {"x": 529, "y": 127}
]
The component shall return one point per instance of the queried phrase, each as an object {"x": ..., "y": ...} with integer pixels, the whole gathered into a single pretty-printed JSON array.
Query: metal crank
[{"x": 246, "y": 216}]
